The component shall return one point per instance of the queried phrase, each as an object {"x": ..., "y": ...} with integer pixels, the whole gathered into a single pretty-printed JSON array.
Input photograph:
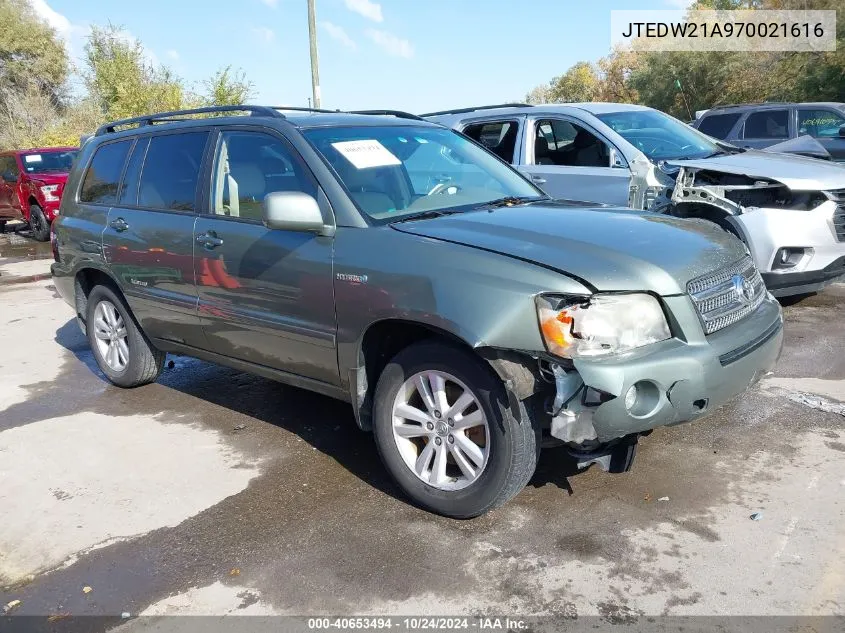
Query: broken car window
[
  {"x": 659, "y": 136},
  {"x": 498, "y": 136}
]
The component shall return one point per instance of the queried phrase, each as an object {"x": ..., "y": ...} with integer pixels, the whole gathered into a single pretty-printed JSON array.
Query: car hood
[
  {"x": 796, "y": 172},
  {"x": 606, "y": 249}
]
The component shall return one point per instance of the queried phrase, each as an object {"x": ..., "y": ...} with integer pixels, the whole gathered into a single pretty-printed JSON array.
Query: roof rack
[
  {"x": 742, "y": 105},
  {"x": 167, "y": 117},
  {"x": 303, "y": 109},
  {"x": 486, "y": 107},
  {"x": 399, "y": 114}
]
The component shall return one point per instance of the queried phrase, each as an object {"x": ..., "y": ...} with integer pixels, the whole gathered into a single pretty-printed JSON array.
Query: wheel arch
[
  {"x": 85, "y": 279},
  {"x": 385, "y": 338},
  {"x": 380, "y": 342}
]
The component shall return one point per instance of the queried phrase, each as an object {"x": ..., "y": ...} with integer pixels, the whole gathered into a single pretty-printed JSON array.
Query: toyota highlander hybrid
[{"x": 397, "y": 265}]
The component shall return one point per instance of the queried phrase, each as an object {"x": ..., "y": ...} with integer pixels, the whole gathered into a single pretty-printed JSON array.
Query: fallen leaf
[
  {"x": 87, "y": 589},
  {"x": 663, "y": 499},
  {"x": 647, "y": 497},
  {"x": 58, "y": 616},
  {"x": 235, "y": 572}
]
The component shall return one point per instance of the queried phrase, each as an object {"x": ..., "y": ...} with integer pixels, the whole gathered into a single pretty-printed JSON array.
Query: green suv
[{"x": 399, "y": 266}]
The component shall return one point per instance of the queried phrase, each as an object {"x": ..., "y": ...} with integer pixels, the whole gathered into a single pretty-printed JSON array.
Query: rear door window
[
  {"x": 497, "y": 136},
  {"x": 103, "y": 175},
  {"x": 171, "y": 171},
  {"x": 767, "y": 124},
  {"x": 719, "y": 125}
]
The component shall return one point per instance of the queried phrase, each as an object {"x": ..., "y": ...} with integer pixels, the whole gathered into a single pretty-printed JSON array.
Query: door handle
[
  {"x": 209, "y": 240},
  {"x": 120, "y": 225},
  {"x": 539, "y": 180}
]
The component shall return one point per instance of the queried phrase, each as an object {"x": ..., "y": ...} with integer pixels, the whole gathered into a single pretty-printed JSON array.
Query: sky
[{"x": 413, "y": 55}]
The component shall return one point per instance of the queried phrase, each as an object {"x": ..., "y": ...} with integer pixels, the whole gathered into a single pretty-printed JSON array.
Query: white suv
[{"x": 788, "y": 209}]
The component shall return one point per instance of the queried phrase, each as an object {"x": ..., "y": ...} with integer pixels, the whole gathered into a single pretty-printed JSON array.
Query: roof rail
[
  {"x": 302, "y": 109},
  {"x": 399, "y": 114},
  {"x": 486, "y": 107},
  {"x": 753, "y": 103},
  {"x": 167, "y": 117}
]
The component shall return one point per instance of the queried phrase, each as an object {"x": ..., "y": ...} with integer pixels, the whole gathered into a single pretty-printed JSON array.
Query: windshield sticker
[
  {"x": 364, "y": 154},
  {"x": 32, "y": 158}
]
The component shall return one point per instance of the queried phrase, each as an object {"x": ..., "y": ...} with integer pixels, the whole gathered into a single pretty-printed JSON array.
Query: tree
[
  {"x": 123, "y": 82},
  {"x": 539, "y": 94},
  {"x": 227, "y": 88},
  {"x": 579, "y": 83},
  {"x": 31, "y": 54}
]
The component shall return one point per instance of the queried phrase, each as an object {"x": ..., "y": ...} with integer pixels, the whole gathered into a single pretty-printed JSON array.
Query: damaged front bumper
[{"x": 599, "y": 400}]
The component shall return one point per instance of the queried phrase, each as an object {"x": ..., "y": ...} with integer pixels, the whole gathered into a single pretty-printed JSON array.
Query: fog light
[
  {"x": 788, "y": 257},
  {"x": 631, "y": 397},
  {"x": 642, "y": 399}
]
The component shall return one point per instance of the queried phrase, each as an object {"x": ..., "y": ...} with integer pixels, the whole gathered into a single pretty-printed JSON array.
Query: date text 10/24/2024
[{"x": 418, "y": 623}]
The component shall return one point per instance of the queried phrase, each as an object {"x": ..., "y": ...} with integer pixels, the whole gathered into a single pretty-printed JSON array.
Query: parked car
[
  {"x": 394, "y": 264},
  {"x": 759, "y": 125},
  {"x": 31, "y": 184},
  {"x": 789, "y": 210}
]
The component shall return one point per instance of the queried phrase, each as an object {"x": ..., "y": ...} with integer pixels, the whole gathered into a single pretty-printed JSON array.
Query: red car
[{"x": 31, "y": 184}]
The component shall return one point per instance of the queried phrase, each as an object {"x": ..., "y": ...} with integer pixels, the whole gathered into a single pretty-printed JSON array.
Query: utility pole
[{"x": 312, "y": 38}]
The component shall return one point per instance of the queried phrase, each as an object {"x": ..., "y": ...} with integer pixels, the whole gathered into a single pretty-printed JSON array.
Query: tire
[
  {"x": 142, "y": 363},
  {"x": 510, "y": 445},
  {"x": 38, "y": 224}
]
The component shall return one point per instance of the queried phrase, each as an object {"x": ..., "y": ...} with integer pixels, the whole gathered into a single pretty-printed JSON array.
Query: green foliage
[
  {"x": 123, "y": 82},
  {"x": 30, "y": 51},
  {"x": 227, "y": 88},
  {"x": 629, "y": 75}
]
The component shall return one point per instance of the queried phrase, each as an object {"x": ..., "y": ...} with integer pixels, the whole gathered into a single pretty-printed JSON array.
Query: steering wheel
[{"x": 444, "y": 187}]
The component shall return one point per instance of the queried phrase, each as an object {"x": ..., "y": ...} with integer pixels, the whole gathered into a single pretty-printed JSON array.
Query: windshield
[
  {"x": 41, "y": 162},
  {"x": 659, "y": 136},
  {"x": 394, "y": 172}
]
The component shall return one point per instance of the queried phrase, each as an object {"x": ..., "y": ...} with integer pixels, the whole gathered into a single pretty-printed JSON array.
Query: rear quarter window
[
  {"x": 719, "y": 125},
  {"x": 103, "y": 175}
]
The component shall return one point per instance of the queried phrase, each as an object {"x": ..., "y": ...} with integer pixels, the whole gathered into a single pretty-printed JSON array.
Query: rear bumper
[
  {"x": 681, "y": 381},
  {"x": 64, "y": 283}
]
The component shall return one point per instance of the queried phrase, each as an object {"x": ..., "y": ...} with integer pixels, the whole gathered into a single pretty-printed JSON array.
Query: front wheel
[
  {"x": 120, "y": 348},
  {"x": 446, "y": 432},
  {"x": 38, "y": 224}
]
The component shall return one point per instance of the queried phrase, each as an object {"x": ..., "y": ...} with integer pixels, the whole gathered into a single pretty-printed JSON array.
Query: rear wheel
[
  {"x": 38, "y": 224},
  {"x": 120, "y": 348},
  {"x": 445, "y": 431}
]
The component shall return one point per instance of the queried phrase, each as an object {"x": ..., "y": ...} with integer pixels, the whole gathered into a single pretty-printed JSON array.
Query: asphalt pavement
[{"x": 216, "y": 492}]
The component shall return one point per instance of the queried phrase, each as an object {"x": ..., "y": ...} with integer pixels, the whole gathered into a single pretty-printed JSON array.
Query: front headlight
[{"x": 600, "y": 324}]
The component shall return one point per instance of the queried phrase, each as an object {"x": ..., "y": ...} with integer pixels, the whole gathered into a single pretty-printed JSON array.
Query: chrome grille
[
  {"x": 727, "y": 295},
  {"x": 838, "y": 195}
]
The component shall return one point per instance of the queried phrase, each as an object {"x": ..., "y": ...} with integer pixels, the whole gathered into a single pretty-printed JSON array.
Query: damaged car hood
[
  {"x": 608, "y": 249},
  {"x": 799, "y": 173}
]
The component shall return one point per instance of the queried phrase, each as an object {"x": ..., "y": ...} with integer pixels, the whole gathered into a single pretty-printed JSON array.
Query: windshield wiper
[
  {"x": 425, "y": 215},
  {"x": 510, "y": 201}
]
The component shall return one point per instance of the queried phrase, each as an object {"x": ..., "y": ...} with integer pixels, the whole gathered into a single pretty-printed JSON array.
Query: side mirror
[
  {"x": 842, "y": 131},
  {"x": 615, "y": 159},
  {"x": 292, "y": 211}
]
